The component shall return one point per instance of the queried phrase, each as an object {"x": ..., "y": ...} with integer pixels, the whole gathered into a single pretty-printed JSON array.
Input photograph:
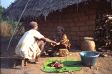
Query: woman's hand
[
  {"x": 52, "y": 44},
  {"x": 58, "y": 43}
]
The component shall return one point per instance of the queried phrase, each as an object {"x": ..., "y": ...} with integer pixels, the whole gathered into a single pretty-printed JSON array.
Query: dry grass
[{"x": 5, "y": 29}]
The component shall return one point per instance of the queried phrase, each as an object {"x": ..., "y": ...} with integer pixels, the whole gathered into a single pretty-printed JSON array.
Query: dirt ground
[{"x": 103, "y": 64}]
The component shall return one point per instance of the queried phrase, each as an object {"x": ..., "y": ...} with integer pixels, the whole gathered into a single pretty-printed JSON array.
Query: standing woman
[{"x": 32, "y": 43}]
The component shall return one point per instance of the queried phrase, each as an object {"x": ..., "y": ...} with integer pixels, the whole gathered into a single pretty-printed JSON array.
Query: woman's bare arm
[{"x": 49, "y": 40}]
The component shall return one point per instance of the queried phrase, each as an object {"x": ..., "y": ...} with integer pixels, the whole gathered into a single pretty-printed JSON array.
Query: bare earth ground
[{"x": 103, "y": 64}]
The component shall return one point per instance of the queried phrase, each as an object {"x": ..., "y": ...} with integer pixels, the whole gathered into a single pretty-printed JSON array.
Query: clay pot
[{"x": 88, "y": 44}]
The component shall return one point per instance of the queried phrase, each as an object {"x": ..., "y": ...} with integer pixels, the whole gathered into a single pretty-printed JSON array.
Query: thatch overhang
[{"x": 38, "y": 8}]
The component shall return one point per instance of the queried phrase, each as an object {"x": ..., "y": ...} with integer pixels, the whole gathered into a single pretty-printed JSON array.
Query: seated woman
[{"x": 61, "y": 38}]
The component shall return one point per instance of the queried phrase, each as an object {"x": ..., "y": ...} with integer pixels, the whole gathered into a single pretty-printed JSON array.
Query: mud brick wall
[{"x": 78, "y": 22}]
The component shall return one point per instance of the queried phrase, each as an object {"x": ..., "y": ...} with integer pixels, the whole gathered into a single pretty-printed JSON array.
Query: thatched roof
[{"x": 38, "y": 7}]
